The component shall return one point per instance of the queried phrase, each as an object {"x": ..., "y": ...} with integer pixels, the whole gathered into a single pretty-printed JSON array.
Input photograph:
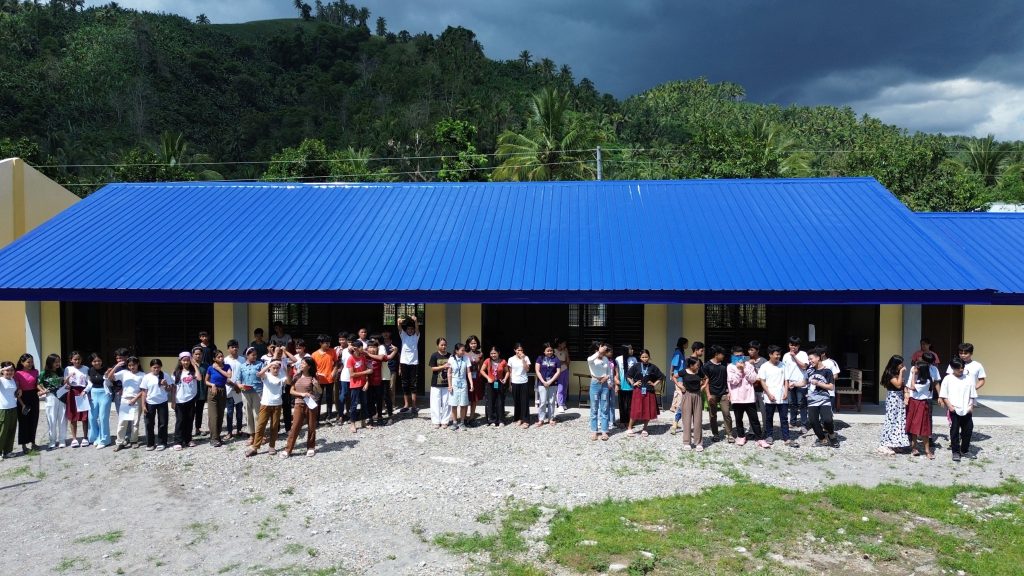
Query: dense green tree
[
  {"x": 382, "y": 26},
  {"x": 950, "y": 188},
  {"x": 461, "y": 162},
  {"x": 142, "y": 165},
  {"x": 202, "y": 19}
]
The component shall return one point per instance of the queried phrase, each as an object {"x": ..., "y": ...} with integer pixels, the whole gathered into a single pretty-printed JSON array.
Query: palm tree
[
  {"x": 172, "y": 148},
  {"x": 986, "y": 157},
  {"x": 774, "y": 145},
  {"x": 525, "y": 58},
  {"x": 202, "y": 19},
  {"x": 555, "y": 145}
]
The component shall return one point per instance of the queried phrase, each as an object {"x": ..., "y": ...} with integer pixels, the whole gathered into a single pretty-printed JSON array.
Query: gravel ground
[{"x": 370, "y": 502}]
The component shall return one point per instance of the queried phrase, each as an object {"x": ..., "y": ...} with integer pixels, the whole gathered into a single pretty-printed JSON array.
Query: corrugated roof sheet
[
  {"x": 834, "y": 240},
  {"x": 990, "y": 245}
]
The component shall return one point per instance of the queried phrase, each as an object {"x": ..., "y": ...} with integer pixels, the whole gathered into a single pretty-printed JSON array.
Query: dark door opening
[
  {"x": 944, "y": 326},
  {"x": 850, "y": 332}
]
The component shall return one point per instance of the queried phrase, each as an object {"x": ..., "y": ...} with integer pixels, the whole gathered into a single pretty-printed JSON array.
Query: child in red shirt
[{"x": 359, "y": 371}]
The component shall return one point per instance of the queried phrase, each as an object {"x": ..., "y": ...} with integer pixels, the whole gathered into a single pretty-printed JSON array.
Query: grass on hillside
[{"x": 749, "y": 528}]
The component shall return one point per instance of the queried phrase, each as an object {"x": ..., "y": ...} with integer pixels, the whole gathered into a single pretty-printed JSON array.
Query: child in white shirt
[{"x": 958, "y": 393}]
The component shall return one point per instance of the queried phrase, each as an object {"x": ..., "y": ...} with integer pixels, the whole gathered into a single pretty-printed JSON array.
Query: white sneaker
[{"x": 561, "y": 409}]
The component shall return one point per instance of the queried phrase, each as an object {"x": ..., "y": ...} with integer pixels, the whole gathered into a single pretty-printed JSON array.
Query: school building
[{"x": 839, "y": 261}]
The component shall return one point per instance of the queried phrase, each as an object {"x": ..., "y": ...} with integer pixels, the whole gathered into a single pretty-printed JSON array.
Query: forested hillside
[{"x": 108, "y": 94}]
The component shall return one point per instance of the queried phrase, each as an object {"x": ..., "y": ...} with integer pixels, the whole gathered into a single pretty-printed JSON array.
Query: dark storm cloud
[{"x": 784, "y": 51}]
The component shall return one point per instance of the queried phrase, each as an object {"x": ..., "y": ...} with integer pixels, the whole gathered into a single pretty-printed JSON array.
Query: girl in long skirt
[
  {"x": 894, "y": 429},
  {"x": 644, "y": 377},
  {"x": 923, "y": 377},
  {"x": 27, "y": 378},
  {"x": 519, "y": 370},
  {"x": 52, "y": 380},
  {"x": 76, "y": 377}
]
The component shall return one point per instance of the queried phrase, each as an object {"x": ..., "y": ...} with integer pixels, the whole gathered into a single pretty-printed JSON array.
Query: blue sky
[{"x": 936, "y": 65}]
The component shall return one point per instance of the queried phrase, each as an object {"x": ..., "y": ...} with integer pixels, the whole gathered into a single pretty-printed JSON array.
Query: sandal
[
  {"x": 593, "y": 436},
  {"x": 914, "y": 451},
  {"x": 604, "y": 437},
  {"x": 630, "y": 432},
  {"x": 931, "y": 455},
  {"x": 644, "y": 433}
]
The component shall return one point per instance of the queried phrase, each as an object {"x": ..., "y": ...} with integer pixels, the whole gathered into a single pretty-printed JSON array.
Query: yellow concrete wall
[
  {"x": 44, "y": 198},
  {"x": 655, "y": 334},
  {"x": 693, "y": 322},
  {"x": 471, "y": 320},
  {"x": 995, "y": 333},
  {"x": 49, "y": 320},
  {"x": 890, "y": 340},
  {"x": 223, "y": 325},
  {"x": 435, "y": 327},
  {"x": 259, "y": 317},
  {"x": 12, "y": 345},
  {"x": 7, "y": 215}
]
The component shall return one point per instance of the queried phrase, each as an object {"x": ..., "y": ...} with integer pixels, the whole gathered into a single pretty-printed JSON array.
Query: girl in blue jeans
[{"x": 600, "y": 390}]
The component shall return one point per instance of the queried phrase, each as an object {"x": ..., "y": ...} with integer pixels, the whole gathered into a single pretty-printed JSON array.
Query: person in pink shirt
[
  {"x": 926, "y": 346},
  {"x": 740, "y": 377}
]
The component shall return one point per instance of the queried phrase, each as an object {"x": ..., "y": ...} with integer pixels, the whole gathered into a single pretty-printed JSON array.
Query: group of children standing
[{"x": 277, "y": 382}]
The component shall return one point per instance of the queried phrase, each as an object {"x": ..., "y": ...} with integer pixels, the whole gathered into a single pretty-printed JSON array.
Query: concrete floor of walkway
[{"x": 989, "y": 412}]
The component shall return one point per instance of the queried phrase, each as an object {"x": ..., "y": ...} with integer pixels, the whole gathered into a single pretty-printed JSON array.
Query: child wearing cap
[{"x": 273, "y": 380}]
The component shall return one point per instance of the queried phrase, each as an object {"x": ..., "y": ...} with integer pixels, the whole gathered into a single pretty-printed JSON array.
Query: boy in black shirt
[{"x": 717, "y": 389}]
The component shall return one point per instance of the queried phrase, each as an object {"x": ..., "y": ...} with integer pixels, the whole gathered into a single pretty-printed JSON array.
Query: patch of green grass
[
  {"x": 485, "y": 518},
  {"x": 685, "y": 533},
  {"x": 269, "y": 529},
  {"x": 109, "y": 537},
  {"x": 289, "y": 491},
  {"x": 293, "y": 548},
  {"x": 66, "y": 563},
  {"x": 228, "y": 568},
  {"x": 282, "y": 508},
  {"x": 200, "y": 532},
  {"x": 503, "y": 546},
  {"x": 418, "y": 530},
  {"x": 295, "y": 570},
  {"x": 253, "y": 499},
  {"x": 16, "y": 472}
]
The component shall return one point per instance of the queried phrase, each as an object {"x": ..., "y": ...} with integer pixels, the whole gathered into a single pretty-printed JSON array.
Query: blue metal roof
[
  {"x": 833, "y": 240},
  {"x": 976, "y": 238}
]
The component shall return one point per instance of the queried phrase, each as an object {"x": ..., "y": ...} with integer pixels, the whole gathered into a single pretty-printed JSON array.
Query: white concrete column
[
  {"x": 911, "y": 329},
  {"x": 34, "y": 332}
]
